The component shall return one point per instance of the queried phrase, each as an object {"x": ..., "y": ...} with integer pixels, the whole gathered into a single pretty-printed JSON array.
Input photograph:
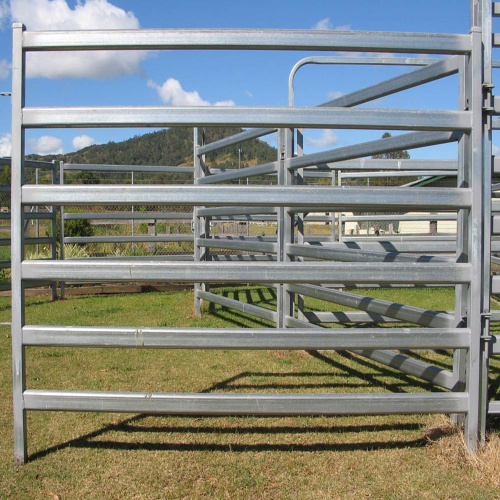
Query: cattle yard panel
[{"x": 298, "y": 266}]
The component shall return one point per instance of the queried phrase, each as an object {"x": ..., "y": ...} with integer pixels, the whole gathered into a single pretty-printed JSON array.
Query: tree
[
  {"x": 87, "y": 177},
  {"x": 401, "y": 154}
]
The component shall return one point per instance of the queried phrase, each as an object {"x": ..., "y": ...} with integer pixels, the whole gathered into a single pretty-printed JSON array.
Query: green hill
[{"x": 170, "y": 147}]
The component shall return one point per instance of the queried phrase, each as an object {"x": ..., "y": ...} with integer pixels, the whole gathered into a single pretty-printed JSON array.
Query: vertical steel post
[
  {"x": 280, "y": 213},
  {"x": 61, "y": 227},
  {"x": 54, "y": 228},
  {"x": 285, "y": 230},
  {"x": 462, "y": 253},
  {"x": 299, "y": 179},
  {"x": 17, "y": 245},
  {"x": 474, "y": 316},
  {"x": 132, "y": 210},
  {"x": 37, "y": 211},
  {"x": 339, "y": 215},
  {"x": 333, "y": 214},
  {"x": 487, "y": 40},
  {"x": 201, "y": 225}
]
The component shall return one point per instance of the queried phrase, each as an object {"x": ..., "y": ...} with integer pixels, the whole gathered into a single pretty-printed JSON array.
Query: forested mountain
[{"x": 170, "y": 147}]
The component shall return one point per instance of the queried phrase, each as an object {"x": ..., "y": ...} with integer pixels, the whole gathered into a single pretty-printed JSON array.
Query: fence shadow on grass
[
  {"x": 93, "y": 440},
  {"x": 132, "y": 426}
]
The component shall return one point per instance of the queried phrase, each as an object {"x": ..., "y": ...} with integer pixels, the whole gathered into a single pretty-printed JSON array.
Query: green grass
[{"x": 115, "y": 456}]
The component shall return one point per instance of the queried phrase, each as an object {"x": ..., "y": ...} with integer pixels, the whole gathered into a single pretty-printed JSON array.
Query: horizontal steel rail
[
  {"x": 317, "y": 251},
  {"x": 169, "y": 238},
  {"x": 255, "y": 218},
  {"x": 242, "y": 258},
  {"x": 353, "y": 60},
  {"x": 30, "y": 163},
  {"x": 158, "y": 216},
  {"x": 410, "y": 366},
  {"x": 265, "y": 196},
  {"x": 128, "y": 168},
  {"x": 429, "y": 73},
  {"x": 228, "y": 175},
  {"x": 379, "y": 146},
  {"x": 238, "y": 305},
  {"x": 415, "y": 315},
  {"x": 389, "y": 174},
  {"x": 344, "y": 317},
  {"x": 246, "y": 338},
  {"x": 294, "y": 272},
  {"x": 38, "y": 215},
  {"x": 494, "y": 408},
  {"x": 42, "y": 240},
  {"x": 495, "y": 284},
  {"x": 213, "y": 211},
  {"x": 378, "y": 119},
  {"x": 238, "y": 244},
  {"x": 246, "y": 135},
  {"x": 245, "y": 404},
  {"x": 398, "y": 217},
  {"x": 229, "y": 39},
  {"x": 366, "y": 164},
  {"x": 429, "y": 245}
]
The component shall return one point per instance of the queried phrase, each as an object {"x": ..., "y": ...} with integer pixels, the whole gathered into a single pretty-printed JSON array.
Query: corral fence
[{"x": 298, "y": 265}]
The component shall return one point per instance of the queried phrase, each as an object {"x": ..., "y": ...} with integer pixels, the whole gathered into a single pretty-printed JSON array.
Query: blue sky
[{"x": 212, "y": 78}]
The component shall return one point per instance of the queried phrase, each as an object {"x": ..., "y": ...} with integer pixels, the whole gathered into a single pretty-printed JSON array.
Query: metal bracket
[
  {"x": 486, "y": 315},
  {"x": 489, "y": 106}
]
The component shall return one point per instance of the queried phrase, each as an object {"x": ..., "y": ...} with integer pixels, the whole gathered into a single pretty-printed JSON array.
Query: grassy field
[{"x": 115, "y": 456}]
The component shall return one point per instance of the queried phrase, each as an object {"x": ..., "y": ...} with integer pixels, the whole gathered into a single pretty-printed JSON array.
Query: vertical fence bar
[
  {"x": 53, "y": 223},
  {"x": 285, "y": 230},
  {"x": 280, "y": 212},
  {"x": 17, "y": 245},
  {"x": 475, "y": 97},
  {"x": 289, "y": 227},
  {"x": 299, "y": 179},
  {"x": 487, "y": 37},
  {"x": 198, "y": 222},
  {"x": 132, "y": 229},
  {"x": 462, "y": 253},
  {"x": 37, "y": 210},
  {"x": 196, "y": 219},
  {"x": 339, "y": 214},
  {"x": 333, "y": 215},
  {"x": 61, "y": 228}
]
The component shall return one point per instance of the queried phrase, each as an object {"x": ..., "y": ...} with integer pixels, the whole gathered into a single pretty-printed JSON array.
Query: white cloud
[
  {"x": 86, "y": 15},
  {"x": 495, "y": 150},
  {"x": 4, "y": 69},
  {"x": 249, "y": 94},
  {"x": 326, "y": 24},
  {"x": 328, "y": 138},
  {"x": 6, "y": 145},
  {"x": 172, "y": 93},
  {"x": 46, "y": 145},
  {"x": 4, "y": 12},
  {"x": 335, "y": 94},
  {"x": 82, "y": 141}
]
